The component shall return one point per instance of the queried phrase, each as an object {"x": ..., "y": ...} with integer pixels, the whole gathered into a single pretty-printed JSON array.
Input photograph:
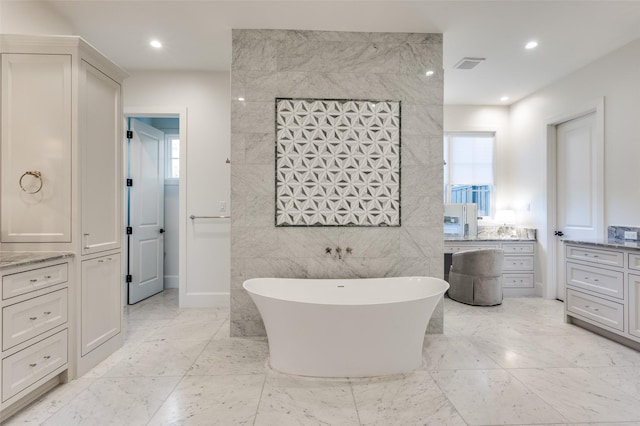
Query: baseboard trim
[{"x": 171, "y": 281}]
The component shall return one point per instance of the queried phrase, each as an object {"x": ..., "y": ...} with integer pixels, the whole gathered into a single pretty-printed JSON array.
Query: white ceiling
[{"x": 197, "y": 34}]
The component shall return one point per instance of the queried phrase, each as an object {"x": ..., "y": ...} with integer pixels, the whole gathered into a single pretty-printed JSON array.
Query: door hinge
[
  {"x": 129, "y": 182},
  {"x": 129, "y": 278},
  {"x": 129, "y": 134},
  {"x": 129, "y": 230}
]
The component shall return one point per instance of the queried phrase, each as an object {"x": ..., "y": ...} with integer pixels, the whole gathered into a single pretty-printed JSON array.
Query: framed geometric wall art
[{"x": 337, "y": 162}]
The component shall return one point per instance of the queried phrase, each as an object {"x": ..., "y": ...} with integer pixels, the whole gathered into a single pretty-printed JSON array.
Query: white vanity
[
  {"x": 518, "y": 271},
  {"x": 603, "y": 288},
  {"x": 60, "y": 191},
  {"x": 35, "y": 325}
]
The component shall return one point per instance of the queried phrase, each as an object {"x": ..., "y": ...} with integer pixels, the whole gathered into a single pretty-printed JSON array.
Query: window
[
  {"x": 172, "y": 157},
  {"x": 468, "y": 169}
]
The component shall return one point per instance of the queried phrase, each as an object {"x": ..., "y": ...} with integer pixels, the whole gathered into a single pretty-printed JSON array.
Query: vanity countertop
[
  {"x": 614, "y": 243},
  {"x": 11, "y": 259},
  {"x": 488, "y": 240}
]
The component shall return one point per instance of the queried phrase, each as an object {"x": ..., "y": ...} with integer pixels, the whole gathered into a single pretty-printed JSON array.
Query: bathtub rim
[{"x": 442, "y": 288}]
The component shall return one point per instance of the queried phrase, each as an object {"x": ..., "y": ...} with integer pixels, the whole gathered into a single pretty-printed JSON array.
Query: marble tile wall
[
  {"x": 617, "y": 232},
  {"x": 267, "y": 64}
]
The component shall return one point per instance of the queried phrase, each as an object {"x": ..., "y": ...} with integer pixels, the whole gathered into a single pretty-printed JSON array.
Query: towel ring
[{"x": 36, "y": 174}]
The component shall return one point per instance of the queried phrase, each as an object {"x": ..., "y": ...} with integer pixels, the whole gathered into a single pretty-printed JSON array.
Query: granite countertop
[
  {"x": 11, "y": 259},
  {"x": 489, "y": 239},
  {"x": 616, "y": 243}
]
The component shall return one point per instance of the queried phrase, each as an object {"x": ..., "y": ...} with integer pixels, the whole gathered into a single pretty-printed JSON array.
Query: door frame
[
  {"x": 596, "y": 107},
  {"x": 181, "y": 113}
]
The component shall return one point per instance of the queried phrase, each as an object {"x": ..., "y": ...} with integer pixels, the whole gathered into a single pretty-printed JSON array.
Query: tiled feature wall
[{"x": 270, "y": 64}]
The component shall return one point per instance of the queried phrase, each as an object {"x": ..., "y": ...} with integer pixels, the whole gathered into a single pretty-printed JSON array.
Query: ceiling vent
[{"x": 468, "y": 63}]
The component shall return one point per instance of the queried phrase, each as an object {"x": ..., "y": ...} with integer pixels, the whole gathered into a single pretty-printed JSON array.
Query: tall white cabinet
[{"x": 61, "y": 177}]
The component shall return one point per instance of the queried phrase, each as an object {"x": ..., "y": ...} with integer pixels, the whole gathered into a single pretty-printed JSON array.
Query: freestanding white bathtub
[{"x": 346, "y": 327}]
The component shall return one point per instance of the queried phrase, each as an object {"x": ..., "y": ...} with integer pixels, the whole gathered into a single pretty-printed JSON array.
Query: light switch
[{"x": 223, "y": 206}]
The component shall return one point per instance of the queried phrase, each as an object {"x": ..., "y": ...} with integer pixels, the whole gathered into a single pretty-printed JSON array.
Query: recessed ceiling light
[
  {"x": 241, "y": 99},
  {"x": 531, "y": 45},
  {"x": 429, "y": 73},
  {"x": 504, "y": 98},
  {"x": 156, "y": 44}
]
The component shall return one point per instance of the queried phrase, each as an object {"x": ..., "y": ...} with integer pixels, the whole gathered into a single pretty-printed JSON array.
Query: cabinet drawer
[
  {"x": 602, "y": 311},
  {"x": 518, "y": 263},
  {"x": 604, "y": 257},
  {"x": 26, "y": 367},
  {"x": 517, "y": 280},
  {"x": 35, "y": 279},
  {"x": 24, "y": 320},
  {"x": 634, "y": 261},
  {"x": 454, "y": 248},
  {"x": 599, "y": 280},
  {"x": 524, "y": 248}
]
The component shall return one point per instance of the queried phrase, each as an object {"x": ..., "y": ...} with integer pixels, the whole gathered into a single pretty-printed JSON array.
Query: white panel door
[
  {"x": 101, "y": 153},
  {"x": 101, "y": 312},
  {"x": 36, "y": 138},
  {"x": 146, "y": 211},
  {"x": 579, "y": 175}
]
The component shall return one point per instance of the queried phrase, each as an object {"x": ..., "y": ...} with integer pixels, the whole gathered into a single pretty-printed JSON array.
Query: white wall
[
  {"x": 484, "y": 118},
  {"x": 31, "y": 17},
  {"x": 616, "y": 77},
  {"x": 205, "y": 96}
]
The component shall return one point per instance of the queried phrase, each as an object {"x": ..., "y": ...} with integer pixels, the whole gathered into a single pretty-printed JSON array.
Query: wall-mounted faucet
[{"x": 329, "y": 250}]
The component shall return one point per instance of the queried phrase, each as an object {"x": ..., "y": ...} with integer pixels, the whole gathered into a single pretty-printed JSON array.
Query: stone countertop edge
[
  {"x": 12, "y": 259},
  {"x": 482, "y": 240},
  {"x": 610, "y": 243}
]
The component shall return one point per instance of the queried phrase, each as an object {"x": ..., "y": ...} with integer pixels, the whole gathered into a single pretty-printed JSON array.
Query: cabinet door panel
[
  {"x": 36, "y": 137},
  {"x": 100, "y": 145},
  {"x": 634, "y": 305},
  {"x": 101, "y": 301}
]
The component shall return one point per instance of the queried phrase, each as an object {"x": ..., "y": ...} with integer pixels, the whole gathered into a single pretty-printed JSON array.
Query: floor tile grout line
[
  {"x": 264, "y": 382},
  {"x": 447, "y": 397},
  {"x": 355, "y": 403},
  {"x": 536, "y": 393},
  {"x": 167, "y": 398}
]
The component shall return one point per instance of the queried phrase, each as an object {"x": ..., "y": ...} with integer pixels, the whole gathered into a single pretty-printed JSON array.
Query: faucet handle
[
  {"x": 349, "y": 250},
  {"x": 327, "y": 250},
  {"x": 338, "y": 250}
]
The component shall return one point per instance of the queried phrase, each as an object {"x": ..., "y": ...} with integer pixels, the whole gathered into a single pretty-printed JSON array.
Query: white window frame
[
  {"x": 447, "y": 169},
  {"x": 167, "y": 159}
]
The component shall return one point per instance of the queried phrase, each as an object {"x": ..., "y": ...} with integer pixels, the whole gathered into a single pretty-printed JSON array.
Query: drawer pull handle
[
  {"x": 32, "y": 364},
  {"x": 47, "y": 312},
  {"x": 47, "y": 356},
  {"x": 596, "y": 309},
  {"x": 101, "y": 261},
  {"x": 595, "y": 255},
  {"x": 33, "y": 280},
  {"x": 47, "y": 277},
  {"x": 33, "y": 318}
]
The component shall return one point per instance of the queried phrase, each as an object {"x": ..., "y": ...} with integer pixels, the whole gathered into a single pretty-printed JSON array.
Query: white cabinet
[
  {"x": 634, "y": 305},
  {"x": 101, "y": 317},
  {"x": 603, "y": 288},
  {"x": 99, "y": 116},
  {"x": 518, "y": 276},
  {"x": 62, "y": 118},
  {"x": 35, "y": 330},
  {"x": 36, "y": 148}
]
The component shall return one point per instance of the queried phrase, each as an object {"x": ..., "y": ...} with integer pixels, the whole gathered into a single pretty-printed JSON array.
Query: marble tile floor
[{"x": 514, "y": 364}]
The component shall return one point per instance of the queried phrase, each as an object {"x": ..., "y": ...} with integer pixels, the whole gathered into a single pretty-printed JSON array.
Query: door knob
[
  {"x": 558, "y": 233},
  {"x": 161, "y": 231}
]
